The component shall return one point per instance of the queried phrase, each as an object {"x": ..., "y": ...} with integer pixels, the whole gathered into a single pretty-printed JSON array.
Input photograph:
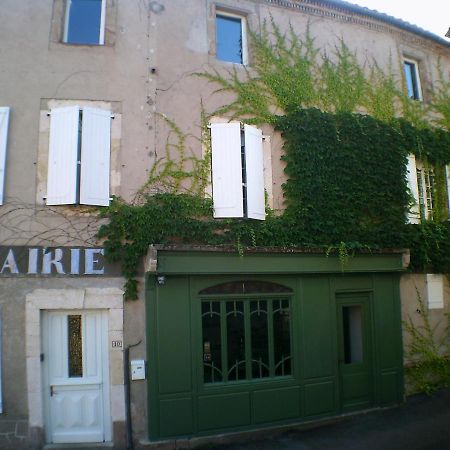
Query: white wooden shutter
[
  {"x": 63, "y": 156},
  {"x": 4, "y": 120},
  {"x": 447, "y": 169},
  {"x": 255, "y": 173},
  {"x": 414, "y": 213},
  {"x": 95, "y": 157},
  {"x": 227, "y": 170}
]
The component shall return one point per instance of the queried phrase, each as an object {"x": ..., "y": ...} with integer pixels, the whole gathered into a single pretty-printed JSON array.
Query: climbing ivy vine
[{"x": 346, "y": 187}]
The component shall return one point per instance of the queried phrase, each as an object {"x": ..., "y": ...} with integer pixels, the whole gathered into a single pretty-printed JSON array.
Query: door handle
[{"x": 52, "y": 392}]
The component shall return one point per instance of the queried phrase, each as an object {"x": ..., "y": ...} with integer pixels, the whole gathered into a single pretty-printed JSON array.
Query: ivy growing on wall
[{"x": 346, "y": 185}]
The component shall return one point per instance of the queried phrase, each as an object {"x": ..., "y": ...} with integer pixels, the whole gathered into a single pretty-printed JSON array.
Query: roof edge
[{"x": 343, "y": 5}]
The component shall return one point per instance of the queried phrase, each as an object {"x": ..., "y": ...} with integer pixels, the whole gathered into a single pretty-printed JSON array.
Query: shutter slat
[
  {"x": 95, "y": 157},
  {"x": 414, "y": 213},
  {"x": 227, "y": 170},
  {"x": 4, "y": 121},
  {"x": 63, "y": 156},
  {"x": 255, "y": 173}
]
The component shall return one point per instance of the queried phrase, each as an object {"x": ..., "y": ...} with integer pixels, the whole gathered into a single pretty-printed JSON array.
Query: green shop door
[{"x": 354, "y": 351}]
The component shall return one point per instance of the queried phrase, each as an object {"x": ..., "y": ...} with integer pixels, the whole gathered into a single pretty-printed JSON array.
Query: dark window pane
[
  {"x": 353, "y": 340},
  {"x": 260, "y": 339},
  {"x": 84, "y": 20},
  {"x": 229, "y": 39},
  {"x": 236, "y": 341},
  {"x": 212, "y": 350},
  {"x": 282, "y": 337},
  {"x": 245, "y": 287},
  {"x": 75, "y": 344}
]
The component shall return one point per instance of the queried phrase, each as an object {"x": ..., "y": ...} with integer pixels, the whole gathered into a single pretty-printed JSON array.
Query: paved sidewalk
[{"x": 422, "y": 423}]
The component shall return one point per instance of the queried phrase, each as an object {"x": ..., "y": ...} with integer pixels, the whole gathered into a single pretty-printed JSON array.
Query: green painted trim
[{"x": 209, "y": 263}]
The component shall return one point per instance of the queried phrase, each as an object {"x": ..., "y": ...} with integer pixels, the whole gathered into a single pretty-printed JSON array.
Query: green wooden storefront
[{"x": 237, "y": 343}]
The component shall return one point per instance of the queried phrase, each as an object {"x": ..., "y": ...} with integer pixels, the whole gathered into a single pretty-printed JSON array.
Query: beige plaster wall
[
  {"x": 146, "y": 68},
  {"x": 412, "y": 287},
  {"x": 36, "y": 65},
  {"x": 191, "y": 44}
]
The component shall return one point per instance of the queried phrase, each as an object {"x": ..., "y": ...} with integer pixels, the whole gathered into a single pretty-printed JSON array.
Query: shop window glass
[{"x": 246, "y": 339}]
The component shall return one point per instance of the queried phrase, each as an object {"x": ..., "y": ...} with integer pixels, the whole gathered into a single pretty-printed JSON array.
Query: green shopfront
[{"x": 242, "y": 342}]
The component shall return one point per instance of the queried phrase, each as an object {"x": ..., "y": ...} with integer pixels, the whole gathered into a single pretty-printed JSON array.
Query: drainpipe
[{"x": 130, "y": 445}]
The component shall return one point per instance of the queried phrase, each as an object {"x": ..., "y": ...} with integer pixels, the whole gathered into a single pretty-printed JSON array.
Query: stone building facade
[{"x": 83, "y": 117}]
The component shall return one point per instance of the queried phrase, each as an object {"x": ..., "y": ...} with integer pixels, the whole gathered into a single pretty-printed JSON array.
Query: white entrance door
[{"x": 76, "y": 365}]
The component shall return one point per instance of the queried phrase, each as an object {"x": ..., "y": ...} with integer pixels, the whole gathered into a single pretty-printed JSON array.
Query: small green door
[{"x": 354, "y": 351}]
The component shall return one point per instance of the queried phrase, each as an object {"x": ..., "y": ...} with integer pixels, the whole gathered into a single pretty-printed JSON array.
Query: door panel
[
  {"x": 74, "y": 353},
  {"x": 355, "y": 351}
]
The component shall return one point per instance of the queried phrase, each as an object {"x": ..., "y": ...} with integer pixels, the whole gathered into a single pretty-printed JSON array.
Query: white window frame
[
  {"x": 244, "y": 46},
  {"x": 425, "y": 195},
  {"x": 237, "y": 174},
  {"x": 415, "y": 65},
  {"x": 101, "y": 38},
  {"x": 76, "y": 185},
  {"x": 4, "y": 125}
]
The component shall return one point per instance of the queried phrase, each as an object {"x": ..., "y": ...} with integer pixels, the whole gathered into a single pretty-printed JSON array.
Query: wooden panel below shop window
[
  {"x": 276, "y": 404},
  {"x": 223, "y": 411}
]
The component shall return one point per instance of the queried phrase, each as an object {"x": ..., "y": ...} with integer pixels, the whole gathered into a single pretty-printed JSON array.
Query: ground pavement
[{"x": 422, "y": 423}]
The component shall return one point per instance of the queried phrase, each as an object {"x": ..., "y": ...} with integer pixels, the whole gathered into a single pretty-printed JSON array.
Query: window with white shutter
[
  {"x": 414, "y": 211},
  {"x": 421, "y": 184},
  {"x": 79, "y": 156},
  {"x": 4, "y": 120},
  {"x": 237, "y": 171},
  {"x": 95, "y": 157},
  {"x": 256, "y": 208}
]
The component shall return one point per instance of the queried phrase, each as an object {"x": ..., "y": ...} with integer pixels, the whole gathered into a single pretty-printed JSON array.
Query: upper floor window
[
  {"x": 79, "y": 156},
  {"x": 237, "y": 171},
  {"x": 231, "y": 38},
  {"x": 85, "y": 22},
  {"x": 412, "y": 79}
]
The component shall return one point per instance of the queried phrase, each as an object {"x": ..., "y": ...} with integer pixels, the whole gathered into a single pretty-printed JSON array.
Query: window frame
[
  {"x": 237, "y": 170},
  {"x": 244, "y": 44},
  {"x": 425, "y": 185},
  {"x": 77, "y": 190},
  {"x": 223, "y": 299},
  {"x": 4, "y": 130},
  {"x": 101, "y": 39},
  {"x": 415, "y": 78}
]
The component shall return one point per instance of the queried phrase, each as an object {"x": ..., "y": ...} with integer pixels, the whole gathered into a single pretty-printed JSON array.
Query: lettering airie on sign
[{"x": 79, "y": 261}]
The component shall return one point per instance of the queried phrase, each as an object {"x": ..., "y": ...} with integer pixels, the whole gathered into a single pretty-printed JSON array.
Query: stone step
[{"x": 87, "y": 446}]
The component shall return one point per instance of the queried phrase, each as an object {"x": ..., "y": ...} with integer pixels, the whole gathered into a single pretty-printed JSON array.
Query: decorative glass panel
[
  {"x": 353, "y": 337},
  {"x": 246, "y": 339},
  {"x": 236, "y": 341},
  {"x": 282, "y": 337},
  {"x": 212, "y": 350},
  {"x": 75, "y": 342},
  {"x": 260, "y": 339},
  {"x": 246, "y": 287}
]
